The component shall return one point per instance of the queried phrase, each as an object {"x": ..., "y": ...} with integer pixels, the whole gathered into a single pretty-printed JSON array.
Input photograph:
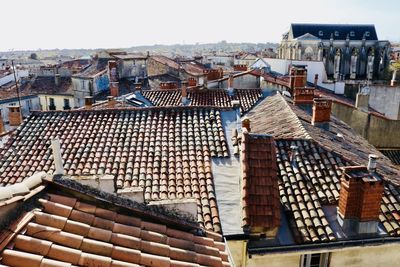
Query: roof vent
[{"x": 372, "y": 162}]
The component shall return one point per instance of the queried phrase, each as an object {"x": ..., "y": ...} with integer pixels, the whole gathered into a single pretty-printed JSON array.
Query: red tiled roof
[
  {"x": 70, "y": 231},
  {"x": 165, "y": 151},
  {"x": 260, "y": 193},
  {"x": 216, "y": 97},
  {"x": 166, "y": 61},
  {"x": 312, "y": 179}
]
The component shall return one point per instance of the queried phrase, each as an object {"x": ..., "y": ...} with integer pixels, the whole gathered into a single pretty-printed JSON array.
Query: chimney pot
[
  {"x": 114, "y": 89},
  {"x": 58, "y": 162},
  {"x": 372, "y": 162},
  {"x": 89, "y": 101},
  {"x": 184, "y": 92},
  {"x": 230, "y": 81},
  {"x": 316, "y": 81},
  {"x": 138, "y": 87},
  {"x": 246, "y": 124}
]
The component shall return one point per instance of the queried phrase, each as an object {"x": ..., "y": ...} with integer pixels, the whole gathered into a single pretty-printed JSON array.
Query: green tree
[
  {"x": 33, "y": 56},
  {"x": 395, "y": 67}
]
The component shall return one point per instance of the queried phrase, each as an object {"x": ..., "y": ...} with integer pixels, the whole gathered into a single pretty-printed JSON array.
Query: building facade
[{"x": 347, "y": 51}]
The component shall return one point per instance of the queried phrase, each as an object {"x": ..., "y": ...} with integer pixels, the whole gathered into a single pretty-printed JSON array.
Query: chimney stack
[
  {"x": 230, "y": 81},
  {"x": 246, "y": 124},
  {"x": 360, "y": 200},
  {"x": 321, "y": 115},
  {"x": 57, "y": 79},
  {"x": 58, "y": 161},
  {"x": 138, "y": 87},
  {"x": 372, "y": 162},
  {"x": 111, "y": 101},
  {"x": 316, "y": 81},
  {"x": 14, "y": 115},
  {"x": 88, "y": 102},
  {"x": 114, "y": 89},
  {"x": 303, "y": 96},
  {"x": 184, "y": 92},
  {"x": 2, "y": 127}
]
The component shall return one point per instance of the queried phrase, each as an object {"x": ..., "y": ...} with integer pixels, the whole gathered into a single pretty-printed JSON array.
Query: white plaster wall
[
  {"x": 10, "y": 78},
  {"x": 27, "y": 106}
]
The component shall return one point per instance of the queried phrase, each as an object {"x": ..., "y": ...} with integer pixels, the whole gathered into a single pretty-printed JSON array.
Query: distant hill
[{"x": 170, "y": 50}]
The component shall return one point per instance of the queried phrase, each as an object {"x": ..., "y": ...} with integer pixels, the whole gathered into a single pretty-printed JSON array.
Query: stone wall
[
  {"x": 380, "y": 132},
  {"x": 386, "y": 100}
]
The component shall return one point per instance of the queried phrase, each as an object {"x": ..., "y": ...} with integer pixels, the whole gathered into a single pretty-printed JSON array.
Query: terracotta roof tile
[
  {"x": 213, "y": 97},
  {"x": 56, "y": 239},
  {"x": 166, "y": 151},
  {"x": 260, "y": 199}
]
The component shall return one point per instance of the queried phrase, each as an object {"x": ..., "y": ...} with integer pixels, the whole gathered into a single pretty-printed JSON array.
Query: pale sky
[{"x": 33, "y": 24}]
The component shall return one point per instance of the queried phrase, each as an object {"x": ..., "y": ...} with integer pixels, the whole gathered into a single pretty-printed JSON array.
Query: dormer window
[
  {"x": 336, "y": 33},
  {"x": 367, "y": 34},
  {"x": 352, "y": 34},
  {"x": 321, "y": 33}
]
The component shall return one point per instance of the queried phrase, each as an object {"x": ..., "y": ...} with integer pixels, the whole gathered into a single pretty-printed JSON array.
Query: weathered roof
[
  {"x": 278, "y": 116},
  {"x": 392, "y": 154},
  {"x": 67, "y": 227},
  {"x": 213, "y": 97},
  {"x": 309, "y": 176},
  {"x": 165, "y": 151},
  {"x": 342, "y": 30},
  {"x": 166, "y": 61}
]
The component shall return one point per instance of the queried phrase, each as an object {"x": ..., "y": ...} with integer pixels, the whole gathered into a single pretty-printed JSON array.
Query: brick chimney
[
  {"x": 110, "y": 101},
  {"x": 184, "y": 92},
  {"x": 321, "y": 114},
  {"x": 261, "y": 208},
  {"x": 246, "y": 124},
  {"x": 230, "y": 81},
  {"x": 298, "y": 78},
  {"x": 360, "y": 200},
  {"x": 114, "y": 89},
  {"x": 138, "y": 87},
  {"x": 2, "y": 127},
  {"x": 89, "y": 102},
  {"x": 303, "y": 96},
  {"x": 14, "y": 115},
  {"x": 57, "y": 79}
]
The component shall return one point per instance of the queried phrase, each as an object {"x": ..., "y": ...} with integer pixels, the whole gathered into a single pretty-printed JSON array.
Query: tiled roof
[
  {"x": 76, "y": 231},
  {"x": 260, "y": 198},
  {"x": 166, "y": 61},
  {"x": 309, "y": 161},
  {"x": 392, "y": 154},
  {"x": 165, "y": 151},
  {"x": 295, "y": 123},
  {"x": 216, "y": 97}
]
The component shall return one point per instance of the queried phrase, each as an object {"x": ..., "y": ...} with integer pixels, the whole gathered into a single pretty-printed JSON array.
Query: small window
[
  {"x": 321, "y": 33},
  {"x": 352, "y": 34},
  {"x": 52, "y": 106},
  {"x": 315, "y": 260},
  {"x": 336, "y": 33},
  {"x": 367, "y": 34},
  {"x": 66, "y": 104}
]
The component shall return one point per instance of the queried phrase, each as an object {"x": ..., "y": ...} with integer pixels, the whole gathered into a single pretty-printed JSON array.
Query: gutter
[{"x": 331, "y": 245}]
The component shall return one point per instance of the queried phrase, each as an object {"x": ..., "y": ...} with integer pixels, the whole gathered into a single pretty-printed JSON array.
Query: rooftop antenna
[{"x": 16, "y": 83}]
